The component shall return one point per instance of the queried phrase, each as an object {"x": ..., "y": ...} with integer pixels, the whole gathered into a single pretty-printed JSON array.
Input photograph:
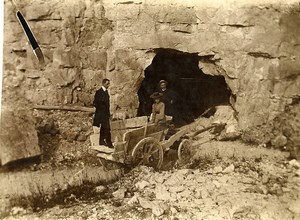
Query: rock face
[
  {"x": 283, "y": 132},
  {"x": 255, "y": 46},
  {"x": 18, "y": 137}
]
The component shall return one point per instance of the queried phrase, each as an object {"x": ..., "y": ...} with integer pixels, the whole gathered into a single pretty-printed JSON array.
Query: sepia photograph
[{"x": 150, "y": 109}]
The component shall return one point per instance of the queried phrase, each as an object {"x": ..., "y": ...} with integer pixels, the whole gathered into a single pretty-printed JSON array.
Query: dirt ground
[
  {"x": 224, "y": 180},
  {"x": 212, "y": 180}
]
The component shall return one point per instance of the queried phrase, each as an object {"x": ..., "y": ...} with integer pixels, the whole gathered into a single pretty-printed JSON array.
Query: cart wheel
[
  {"x": 184, "y": 151},
  {"x": 148, "y": 152}
]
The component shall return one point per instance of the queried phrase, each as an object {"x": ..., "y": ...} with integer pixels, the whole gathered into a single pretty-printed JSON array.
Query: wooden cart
[{"x": 141, "y": 143}]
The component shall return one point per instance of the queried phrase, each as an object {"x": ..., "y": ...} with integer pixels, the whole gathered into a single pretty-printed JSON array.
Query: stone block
[
  {"x": 124, "y": 59},
  {"x": 289, "y": 67},
  {"x": 31, "y": 61},
  {"x": 142, "y": 184},
  {"x": 63, "y": 96},
  {"x": 294, "y": 163},
  {"x": 9, "y": 13},
  {"x": 279, "y": 141},
  {"x": 83, "y": 97},
  {"x": 65, "y": 58},
  {"x": 106, "y": 39},
  {"x": 14, "y": 29},
  {"x": 185, "y": 194},
  {"x": 100, "y": 189},
  {"x": 200, "y": 179},
  {"x": 38, "y": 11},
  {"x": 179, "y": 15},
  {"x": 176, "y": 189},
  {"x": 183, "y": 28},
  {"x": 92, "y": 79},
  {"x": 127, "y": 40},
  {"x": 158, "y": 210},
  {"x": 294, "y": 206},
  {"x": 44, "y": 92},
  {"x": 206, "y": 14},
  {"x": 71, "y": 8},
  {"x": 204, "y": 193},
  {"x": 125, "y": 12},
  {"x": 185, "y": 172},
  {"x": 61, "y": 77},
  {"x": 174, "y": 180},
  {"x": 98, "y": 60},
  {"x": 229, "y": 169},
  {"x": 89, "y": 12},
  {"x": 218, "y": 169},
  {"x": 68, "y": 37},
  {"x": 99, "y": 10},
  {"x": 236, "y": 18},
  {"x": 161, "y": 193}
]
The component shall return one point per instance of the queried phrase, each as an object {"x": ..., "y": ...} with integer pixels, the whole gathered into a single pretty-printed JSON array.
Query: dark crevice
[
  {"x": 295, "y": 100},
  {"x": 45, "y": 19},
  {"x": 237, "y": 25},
  {"x": 261, "y": 54},
  {"x": 125, "y": 3},
  {"x": 196, "y": 91},
  {"x": 184, "y": 32}
]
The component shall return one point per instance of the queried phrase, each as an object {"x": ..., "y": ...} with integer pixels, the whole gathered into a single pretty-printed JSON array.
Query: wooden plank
[
  {"x": 184, "y": 130},
  {"x": 105, "y": 156},
  {"x": 136, "y": 133},
  {"x": 120, "y": 146},
  {"x": 119, "y": 158},
  {"x": 157, "y": 135},
  {"x": 64, "y": 108},
  {"x": 102, "y": 148},
  {"x": 116, "y": 135},
  {"x": 94, "y": 138},
  {"x": 120, "y": 127},
  {"x": 175, "y": 137},
  {"x": 128, "y": 123},
  {"x": 18, "y": 135}
]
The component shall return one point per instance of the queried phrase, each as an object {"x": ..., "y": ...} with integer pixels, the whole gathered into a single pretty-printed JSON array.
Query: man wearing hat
[{"x": 170, "y": 98}]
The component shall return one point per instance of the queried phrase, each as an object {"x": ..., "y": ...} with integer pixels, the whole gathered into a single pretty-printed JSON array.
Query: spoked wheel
[
  {"x": 148, "y": 152},
  {"x": 184, "y": 151}
]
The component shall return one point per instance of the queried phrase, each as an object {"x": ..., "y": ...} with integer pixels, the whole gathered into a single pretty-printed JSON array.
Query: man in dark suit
[
  {"x": 175, "y": 105},
  {"x": 102, "y": 114},
  {"x": 170, "y": 98}
]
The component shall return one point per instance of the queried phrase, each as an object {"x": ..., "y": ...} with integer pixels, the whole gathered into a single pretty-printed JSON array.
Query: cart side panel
[
  {"x": 134, "y": 136},
  {"x": 120, "y": 127},
  {"x": 128, "y": 123}
]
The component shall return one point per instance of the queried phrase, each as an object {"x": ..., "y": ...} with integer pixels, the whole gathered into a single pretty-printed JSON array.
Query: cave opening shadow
[{"x": 195, "y": 91}]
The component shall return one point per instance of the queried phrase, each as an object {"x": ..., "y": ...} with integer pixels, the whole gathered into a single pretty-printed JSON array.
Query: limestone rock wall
[{"x": 255, "y": 46}]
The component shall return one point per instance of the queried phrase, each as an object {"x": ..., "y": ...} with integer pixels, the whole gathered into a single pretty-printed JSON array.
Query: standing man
[
  {"x": 102, "y": 114},
  {"x": 170, "y": 98}
]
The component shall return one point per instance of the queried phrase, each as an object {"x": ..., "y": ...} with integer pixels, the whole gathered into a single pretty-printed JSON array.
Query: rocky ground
[
  {"x": 64, "y": 138},
  {"x": 258, "y": 184},
  {"x": 216, "y": 179}
]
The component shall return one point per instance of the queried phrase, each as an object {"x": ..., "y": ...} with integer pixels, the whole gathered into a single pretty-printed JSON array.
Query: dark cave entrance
[{"x": 195, "y": 90}]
